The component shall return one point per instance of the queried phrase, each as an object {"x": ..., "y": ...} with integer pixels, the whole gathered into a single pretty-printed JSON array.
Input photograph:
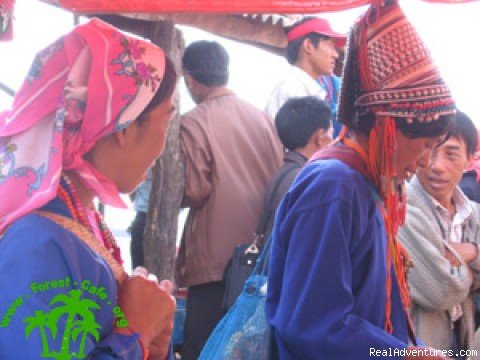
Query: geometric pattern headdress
[{"x": 389, "y": 70}]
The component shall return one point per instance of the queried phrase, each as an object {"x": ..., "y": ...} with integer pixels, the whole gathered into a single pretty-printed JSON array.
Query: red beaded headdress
[{"x": 392, "y": 70}]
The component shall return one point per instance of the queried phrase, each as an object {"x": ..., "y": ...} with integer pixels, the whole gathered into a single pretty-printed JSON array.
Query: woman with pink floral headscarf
[{"x": 88, "y": 122}]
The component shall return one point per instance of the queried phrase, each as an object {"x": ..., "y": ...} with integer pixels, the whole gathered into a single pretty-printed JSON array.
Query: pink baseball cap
[{"x": 319, "y": 26}]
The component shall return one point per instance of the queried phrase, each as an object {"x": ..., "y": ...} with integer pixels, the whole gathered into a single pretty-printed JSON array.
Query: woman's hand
[
  {"x": 149, "y": 309},
  {"x": 161, "y": 343}
]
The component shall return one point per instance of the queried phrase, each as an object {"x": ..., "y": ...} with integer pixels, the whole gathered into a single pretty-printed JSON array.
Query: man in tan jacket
[
  {"x": 230, "y": 151},
  {"x": 441, "y": 235}
]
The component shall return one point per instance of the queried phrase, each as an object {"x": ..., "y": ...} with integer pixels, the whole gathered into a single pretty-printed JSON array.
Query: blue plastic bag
[{"x": 244, "y": 332}]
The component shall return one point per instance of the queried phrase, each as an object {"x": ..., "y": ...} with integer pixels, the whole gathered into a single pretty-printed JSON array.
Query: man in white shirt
[
  {"x": 441, "y": 235},
  {"x": 312, "y": 51}
]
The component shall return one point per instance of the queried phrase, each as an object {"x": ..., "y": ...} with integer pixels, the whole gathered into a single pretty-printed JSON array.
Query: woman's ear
[{"x": 121, "y": 137}]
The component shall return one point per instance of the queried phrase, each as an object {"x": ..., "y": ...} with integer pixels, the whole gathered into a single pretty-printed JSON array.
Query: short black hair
[
  {"x": 299, "y": 118},
  {"x": 464, "y": 129},
  {"x": 293, "y": 47},
  {"x": 207, "y": 62}
]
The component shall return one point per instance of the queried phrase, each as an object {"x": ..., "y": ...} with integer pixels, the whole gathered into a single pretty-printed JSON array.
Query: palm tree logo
[
  {"x": 85, "y": 327},
  {"x": 40, "y": 321},
  {"x": 80, "y": 322}
]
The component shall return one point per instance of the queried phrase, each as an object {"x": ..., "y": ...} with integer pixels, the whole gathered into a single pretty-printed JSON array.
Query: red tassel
[
  {"x": 381, "y": 160},
  {"x": 394, "y": 200}
]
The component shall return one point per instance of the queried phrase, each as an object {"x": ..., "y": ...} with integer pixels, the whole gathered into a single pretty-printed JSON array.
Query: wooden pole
[{"x": 168, "y": 182}]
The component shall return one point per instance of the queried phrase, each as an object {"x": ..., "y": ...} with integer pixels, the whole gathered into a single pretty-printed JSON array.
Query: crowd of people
[{"x": 372, "y": 169}]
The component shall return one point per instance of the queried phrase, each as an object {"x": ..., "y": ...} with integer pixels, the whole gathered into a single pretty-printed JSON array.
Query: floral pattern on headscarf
[
  {"x": 132, "y": 65},
  {"x": 88, "y": 84}
]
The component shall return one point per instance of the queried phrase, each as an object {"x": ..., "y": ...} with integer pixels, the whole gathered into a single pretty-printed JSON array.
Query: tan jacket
[
  {"x": 435, "y": 285},
  {"x": 230, "y": 151}
]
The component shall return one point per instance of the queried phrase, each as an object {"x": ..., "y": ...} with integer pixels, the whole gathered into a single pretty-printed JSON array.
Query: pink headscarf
[{"x": 88, "y": 84}]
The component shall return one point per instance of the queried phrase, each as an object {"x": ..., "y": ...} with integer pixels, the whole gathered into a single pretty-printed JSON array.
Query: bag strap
[
  {"x": 262, "y": 261},
  {"x": 268, "y": 211},
  {"x": 88, "y": 239}
]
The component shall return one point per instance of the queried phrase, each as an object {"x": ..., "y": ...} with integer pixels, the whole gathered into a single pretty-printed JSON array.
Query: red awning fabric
[
  {"x": 192, "y": 6},
  {"x": 218, "y": 6}
]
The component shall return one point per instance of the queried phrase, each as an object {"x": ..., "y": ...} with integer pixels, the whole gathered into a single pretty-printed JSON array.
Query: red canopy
[
  {"x": 192, "y": 6},
  {"x": 218, "y": 6}
]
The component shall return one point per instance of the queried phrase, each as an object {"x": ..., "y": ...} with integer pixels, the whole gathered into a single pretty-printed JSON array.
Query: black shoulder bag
[{"x": 245, "y": 256}]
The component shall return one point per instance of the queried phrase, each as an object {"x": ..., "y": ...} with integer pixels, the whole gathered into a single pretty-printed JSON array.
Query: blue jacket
[
  {"x": 40, "y": 260},
  {"x": 326, "y": 293}
]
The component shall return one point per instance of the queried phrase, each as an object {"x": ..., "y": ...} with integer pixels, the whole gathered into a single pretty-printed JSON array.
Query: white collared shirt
[
  {"x": 454, "y": 228},
  {"x": 297, "y": 84}
]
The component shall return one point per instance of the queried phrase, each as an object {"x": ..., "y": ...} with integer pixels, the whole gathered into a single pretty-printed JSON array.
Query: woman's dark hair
[
  {"x": 293, "y": 47},
  {"x": 412, "y": 130},
  {"x": 207, "y": 62},
  {"x": 299, "y": 118},
  {"x": 165, "y": 90},
  {"x": 464, "y": 129}
]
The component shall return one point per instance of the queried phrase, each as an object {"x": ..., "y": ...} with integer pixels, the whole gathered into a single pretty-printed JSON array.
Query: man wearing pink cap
[{"x": 311, "y": 49}]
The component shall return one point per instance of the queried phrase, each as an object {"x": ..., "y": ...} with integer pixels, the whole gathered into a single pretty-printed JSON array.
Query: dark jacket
[
  {"x": 292, "y": 164},
  {"x": 470, "y": 186}
]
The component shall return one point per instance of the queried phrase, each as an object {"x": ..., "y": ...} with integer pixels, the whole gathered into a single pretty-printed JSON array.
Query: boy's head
[
  {"x": 448, "y": 161},
  {"x": 304, "y": 120},
  {"x": 312, "y": 43}
]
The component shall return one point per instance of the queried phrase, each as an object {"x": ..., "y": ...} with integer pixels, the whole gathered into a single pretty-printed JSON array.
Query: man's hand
[
  {"x": 452, "y": 259},
  {"x": 468, "y": 252}
]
